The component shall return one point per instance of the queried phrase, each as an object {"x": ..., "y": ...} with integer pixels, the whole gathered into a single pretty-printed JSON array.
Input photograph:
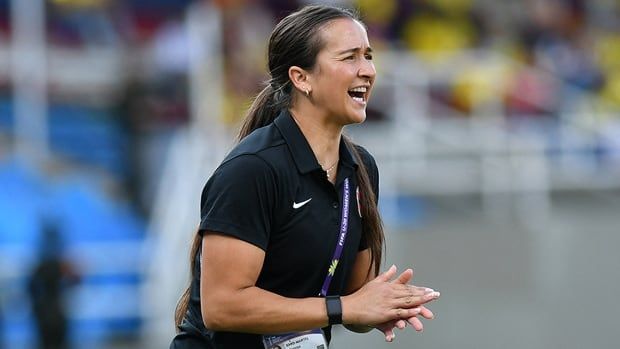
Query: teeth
[
  {"x": 361, "y": 89},
  {"x": 358, "y": 99}
]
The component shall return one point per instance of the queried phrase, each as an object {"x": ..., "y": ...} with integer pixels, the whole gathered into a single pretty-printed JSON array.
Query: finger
[
  {"x": 416, "y": 323},
  {"x": 432, "y": 295},
  {"x": 412, "y": 289},
  {"x": 389, "y": 335},
  {"x": 428, "y": 295},
  {"x": 404, "y": 277},
  {"x": 406, "y": 313},
  {"x": 416, "y": 301},
  {"x": 403, "y": 291},
  {"x": 387, "y": 275},
  {"x": 403, "y": 299},
  {"x": 410, "y": 301},
  {"x": 426, "y": 313},
  {"x": 401, "y": 324}
]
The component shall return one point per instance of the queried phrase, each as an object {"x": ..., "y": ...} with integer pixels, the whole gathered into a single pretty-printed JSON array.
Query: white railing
[
  {"x": 192, "y": 157},
  {"x": 175, "y": 217}
]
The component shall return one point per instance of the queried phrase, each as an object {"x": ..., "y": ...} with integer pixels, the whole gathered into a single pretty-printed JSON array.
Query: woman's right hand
[{"x": 382, "y": 300}]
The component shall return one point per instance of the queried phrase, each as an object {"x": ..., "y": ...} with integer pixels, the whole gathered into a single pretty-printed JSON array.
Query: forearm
[{"x": 255, "y": 310}]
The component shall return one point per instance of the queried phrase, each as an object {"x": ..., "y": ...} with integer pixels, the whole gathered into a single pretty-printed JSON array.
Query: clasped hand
[{"x": 386, "y": 303}]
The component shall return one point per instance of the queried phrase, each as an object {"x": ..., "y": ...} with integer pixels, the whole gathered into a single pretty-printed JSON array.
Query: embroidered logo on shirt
[{"x": 298, "y": 205}]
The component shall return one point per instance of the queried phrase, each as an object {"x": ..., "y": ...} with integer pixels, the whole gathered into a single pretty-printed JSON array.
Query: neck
[{"x": 323, "y": 137}]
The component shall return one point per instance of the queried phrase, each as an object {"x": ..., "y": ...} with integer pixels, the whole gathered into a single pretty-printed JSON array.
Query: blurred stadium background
[{"x": 496, "y": 126}]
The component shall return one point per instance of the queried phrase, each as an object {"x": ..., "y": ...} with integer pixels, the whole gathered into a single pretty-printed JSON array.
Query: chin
[{"x": 357, "y": 117}]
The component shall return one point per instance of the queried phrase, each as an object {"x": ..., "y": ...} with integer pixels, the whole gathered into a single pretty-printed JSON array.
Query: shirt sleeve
[{"x": 238, "y": 200}]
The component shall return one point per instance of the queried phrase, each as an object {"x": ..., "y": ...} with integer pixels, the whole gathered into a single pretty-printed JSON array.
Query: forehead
[{"x": 344, "y": 33}]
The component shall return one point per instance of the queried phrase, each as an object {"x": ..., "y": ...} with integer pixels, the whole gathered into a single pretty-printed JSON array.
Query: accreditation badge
[{"x": 312, "y": 339}]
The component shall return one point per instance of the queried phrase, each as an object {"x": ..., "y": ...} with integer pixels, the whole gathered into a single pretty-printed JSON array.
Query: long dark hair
[{"x": 295, "y": 41}]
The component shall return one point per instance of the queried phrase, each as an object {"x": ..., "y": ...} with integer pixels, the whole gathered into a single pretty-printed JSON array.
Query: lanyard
[{"x": 344, "y": 228}]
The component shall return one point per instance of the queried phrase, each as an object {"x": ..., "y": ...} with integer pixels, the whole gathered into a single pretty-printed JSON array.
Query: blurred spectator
[
  {"x": 47, "y": 282},
  {"x": 281, "y": 8},
  {"x": 169, "y": 53},
  {"x": 81, "y": 24},
  {"x": 478, "y": 86},
  {"x": 132, "y": 117},
  {"x": 170, "y": 46},
  {"x": 247, "y": 25},
  {"x": 608, "y": 50},
  {"x": 439, "y": 29},
  {"x": 561, "y": 44},
  {"x": 530, "y": 93},
  {"x": 378, "y": 16}
]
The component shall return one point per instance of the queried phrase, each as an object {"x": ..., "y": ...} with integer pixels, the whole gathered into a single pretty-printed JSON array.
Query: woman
[{"x": 290, "y": 239}]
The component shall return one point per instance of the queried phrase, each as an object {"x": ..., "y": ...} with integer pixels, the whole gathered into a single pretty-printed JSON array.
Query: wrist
[
  {"x": 348, "y": 316},
  {"x": 334, "y": 309}
]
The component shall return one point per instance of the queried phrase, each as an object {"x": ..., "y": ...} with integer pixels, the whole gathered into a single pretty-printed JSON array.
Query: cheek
[
  {"x": 339, "y": 82},
  {"x": 335, "y": 80},
  {"x": 340, "y": 75}
]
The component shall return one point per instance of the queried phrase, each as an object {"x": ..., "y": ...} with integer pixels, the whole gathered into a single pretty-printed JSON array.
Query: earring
[{"x": 307, "y": 93}]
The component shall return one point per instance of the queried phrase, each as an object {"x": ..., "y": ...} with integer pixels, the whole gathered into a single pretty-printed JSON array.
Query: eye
[
  {"x": 349, "y": 58},
  {"x": 369, "y": 56}
]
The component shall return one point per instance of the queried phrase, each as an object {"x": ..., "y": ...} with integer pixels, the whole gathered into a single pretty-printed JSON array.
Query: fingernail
[
  {"x": 432, "y": 294},
  {"x": 428, "y": 290}
]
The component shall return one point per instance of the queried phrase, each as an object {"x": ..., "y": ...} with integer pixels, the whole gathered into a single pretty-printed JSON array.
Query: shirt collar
[{"x": 300, "y": 149}]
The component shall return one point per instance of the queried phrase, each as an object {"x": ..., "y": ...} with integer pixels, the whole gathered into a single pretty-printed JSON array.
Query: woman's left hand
[{"x": 388, "y": 327}]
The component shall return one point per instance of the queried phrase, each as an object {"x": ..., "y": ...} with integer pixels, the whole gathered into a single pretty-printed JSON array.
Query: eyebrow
[{"x": 355, "y": 49}]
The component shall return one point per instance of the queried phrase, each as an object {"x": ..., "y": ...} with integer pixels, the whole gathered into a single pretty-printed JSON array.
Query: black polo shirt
[{"x": 270, "y": 191}]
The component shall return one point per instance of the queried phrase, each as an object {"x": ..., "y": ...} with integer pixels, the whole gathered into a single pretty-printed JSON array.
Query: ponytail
[
  {"x": 183, "y": 303},
  {"x": 262, "y": 112},
  {"x": 266, "y": 106},
  {"x": 372, "y": 226}
]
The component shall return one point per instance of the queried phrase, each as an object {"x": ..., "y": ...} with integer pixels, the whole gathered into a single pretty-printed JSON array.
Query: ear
[{"x": 300, "y": 79}]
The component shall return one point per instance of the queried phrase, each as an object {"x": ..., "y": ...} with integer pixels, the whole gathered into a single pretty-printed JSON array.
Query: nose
[{"x": 367, "y": 70}]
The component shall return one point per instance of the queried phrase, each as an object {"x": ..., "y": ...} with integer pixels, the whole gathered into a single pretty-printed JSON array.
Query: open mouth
[{"x": 359, "y": 94}]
